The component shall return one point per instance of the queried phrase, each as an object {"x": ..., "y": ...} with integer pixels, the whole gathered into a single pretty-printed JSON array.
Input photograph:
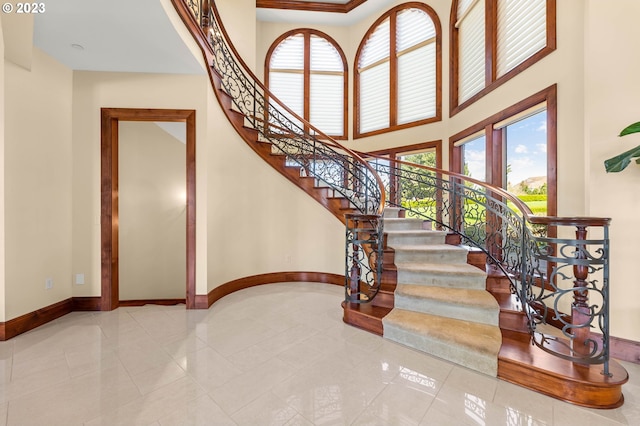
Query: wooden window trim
[
  {"x": 491, "y": 34},
  {"x": 494, "y": 142},
  {"x": 307, "y": 33},
  {"x": 393, "y": 75}
]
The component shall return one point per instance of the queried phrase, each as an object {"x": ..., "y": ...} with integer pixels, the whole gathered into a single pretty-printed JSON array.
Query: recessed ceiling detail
[{"x": 337, "y": 6}]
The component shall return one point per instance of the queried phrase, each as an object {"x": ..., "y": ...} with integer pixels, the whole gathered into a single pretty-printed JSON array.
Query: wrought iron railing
[
  {"x": 561, "y": 281},
  {"x": 343, "y": 172}
]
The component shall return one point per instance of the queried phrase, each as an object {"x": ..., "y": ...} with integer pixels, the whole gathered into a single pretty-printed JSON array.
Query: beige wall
[
  {"x": 2, "y": 235},
  {"x": 612, "y": 102},
  {"x": 38, "y": 165},
  {"x": 92, "y": 91},
  {"x": 151, "y": 212}
]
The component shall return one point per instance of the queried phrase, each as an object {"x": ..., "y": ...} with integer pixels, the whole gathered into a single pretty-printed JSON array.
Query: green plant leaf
[
  {"x": 633, "y": 128},
  {"x": 620, "y": 162}
]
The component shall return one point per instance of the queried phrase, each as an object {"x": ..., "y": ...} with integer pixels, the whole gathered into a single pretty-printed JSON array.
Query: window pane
[
  {"x": 471, "y": 59},
  {"x": 474, "y": 158},
  {"x": 417, "y": 84},
  {"x": 289, "y": 54},
  {"x": 327, "y": 103},
  {"x": 374, "y": 98},
  {"x": 413, "y": 27},
  {"x": 376, "y": 46},
  {"x": 526, "y": 161},
  {"x": 522, "y": 31},
  {"x": 288, "y": 87},
  {"x": 324, "y": 56}
]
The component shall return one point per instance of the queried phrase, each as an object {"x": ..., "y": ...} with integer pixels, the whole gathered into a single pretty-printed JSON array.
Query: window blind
[
  {"x": 374, "y": 98},
  {"x": 522, "y": 31},
  {"x": 417, "y": 84},
  {"x": 471, "y": 48}
]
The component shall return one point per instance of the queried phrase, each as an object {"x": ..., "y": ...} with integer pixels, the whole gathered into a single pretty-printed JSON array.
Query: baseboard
[
  {"x": 87, "y": 303},
  {"x": 204, "y": 302},
  {"x": 624, "y": 349},
  {"x": 34, "y": 319},
  {"x": 142, "y": 302}
]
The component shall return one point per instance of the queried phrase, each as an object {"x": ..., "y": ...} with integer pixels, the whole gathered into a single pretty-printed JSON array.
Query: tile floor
[{"x": 270, "y": 355}]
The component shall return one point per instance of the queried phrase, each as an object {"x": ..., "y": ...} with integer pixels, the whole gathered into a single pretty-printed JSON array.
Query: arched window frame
[
  {"x": 393, "y": 59},
  {"x": 492, "y": 80},
  {"x": 307, "y": 33}
]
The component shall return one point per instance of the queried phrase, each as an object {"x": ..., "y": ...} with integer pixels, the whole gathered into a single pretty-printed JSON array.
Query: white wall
[
  {"x": 151, "y": 212},
  {"x": 37, "y": 166}
]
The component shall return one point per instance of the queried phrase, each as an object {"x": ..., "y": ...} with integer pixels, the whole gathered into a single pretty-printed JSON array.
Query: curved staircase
[{"x": 434, "y": 295}]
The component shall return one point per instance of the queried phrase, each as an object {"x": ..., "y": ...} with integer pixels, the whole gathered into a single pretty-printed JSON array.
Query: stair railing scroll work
[
  {"x": 334, "y": 166},
  {"x": 559, "y": 281},
  {"x": 562, "y": 284}
]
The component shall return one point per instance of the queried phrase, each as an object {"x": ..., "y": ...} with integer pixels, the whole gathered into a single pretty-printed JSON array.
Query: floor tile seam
[{"x": 270, "y": 391}]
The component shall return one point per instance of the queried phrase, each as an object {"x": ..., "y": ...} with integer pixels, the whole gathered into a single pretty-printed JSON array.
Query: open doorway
[{"x": 110, "y": 225}]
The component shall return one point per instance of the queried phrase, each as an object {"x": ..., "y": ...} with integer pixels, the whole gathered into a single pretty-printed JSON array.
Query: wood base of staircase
[{"x": 526, "y": 365}]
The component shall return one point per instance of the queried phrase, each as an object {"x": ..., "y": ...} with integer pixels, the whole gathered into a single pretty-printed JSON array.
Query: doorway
[{"x": 110, "y": 120}]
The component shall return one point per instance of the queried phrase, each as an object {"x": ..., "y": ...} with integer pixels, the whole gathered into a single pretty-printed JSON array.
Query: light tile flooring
[{"x": 270, "y": 355}]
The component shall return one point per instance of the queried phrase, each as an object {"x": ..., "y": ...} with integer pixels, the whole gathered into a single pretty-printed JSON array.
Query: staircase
[
  {"x": 434, "y": 295},
  {"x": 441, "y": 304}
]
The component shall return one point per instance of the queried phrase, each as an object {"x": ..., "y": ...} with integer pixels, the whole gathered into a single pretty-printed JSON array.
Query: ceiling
[{"x": 137, "y": 36}]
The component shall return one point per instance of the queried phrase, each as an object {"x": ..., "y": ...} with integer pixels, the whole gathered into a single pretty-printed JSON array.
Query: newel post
[
  {"x": 205, "y": 15},
  {"x": 580, "y": 313}
]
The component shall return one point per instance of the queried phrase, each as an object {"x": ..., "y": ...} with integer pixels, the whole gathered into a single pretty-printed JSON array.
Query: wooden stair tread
[
  {"x": 365, "y": 316},
  {"x": 527, "y": 365}
]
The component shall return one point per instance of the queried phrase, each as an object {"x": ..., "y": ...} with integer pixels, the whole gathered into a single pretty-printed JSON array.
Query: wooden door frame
[{"x": 110, "y": 117}]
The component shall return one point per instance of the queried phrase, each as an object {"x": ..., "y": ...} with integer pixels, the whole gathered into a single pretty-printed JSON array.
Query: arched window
[
  {"x": 307, "y": 70},
  {"x": 494, "y": 40},
  {"x": 398, "y": 71}
]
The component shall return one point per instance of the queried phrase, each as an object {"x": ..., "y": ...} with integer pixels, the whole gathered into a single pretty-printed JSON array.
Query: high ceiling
[{"x": 137, "y": 36}]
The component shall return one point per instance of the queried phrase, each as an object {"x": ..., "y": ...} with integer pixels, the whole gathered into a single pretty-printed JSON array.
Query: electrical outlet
[
  {"x": 48, "y": 284},
  {"x": 287, "y": 258},
  {"x": 79, "y": 279}
]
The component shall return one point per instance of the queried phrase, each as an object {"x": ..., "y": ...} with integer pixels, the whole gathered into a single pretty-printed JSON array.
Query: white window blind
[
  {"x": 326, "y": 86},
  {"x": 373, "y": 66},
  {"x": 416, "y": 50},
  {"x": 327, "y": 103},
  {"x": 289, "y": 88},
  {"x": 471, "y": 48},
  {"x": 417, "y": 84},
  {"x": 374, "y": 98},
  {"x": 522, "y": 31},
  {"x": 289, "y": 54},
  {"x": 376, "y": 47},
  {"x": 326, "y": 91}
]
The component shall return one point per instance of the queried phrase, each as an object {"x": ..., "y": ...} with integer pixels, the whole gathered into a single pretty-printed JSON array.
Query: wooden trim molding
[
  {"x": 204, "y": 302},
  {"x": 86, "y": 304},
  {"x": 161, "y": 302},
  {"x": 307, "y": 33},
  {"x": 312, "y": 6},
  {"x": 110, "y": 117},
  {"x": 492, "y": 81},
  {"x": 393, "y": 74}
]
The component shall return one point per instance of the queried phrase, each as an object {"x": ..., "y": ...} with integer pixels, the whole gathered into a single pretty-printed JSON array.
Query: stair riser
[
  {"x": 407, "y": 240},
  {"x": 449, "y": 310},
  {"x": 443, "y": 349},
  {"x": 405, "y": 225},
  {"x": 430, "y": 256},
  {"x": 440, "y": 280}
]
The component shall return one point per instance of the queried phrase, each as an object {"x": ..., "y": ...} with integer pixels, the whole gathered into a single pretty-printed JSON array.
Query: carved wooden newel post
[{"x": 205, "y": 20}]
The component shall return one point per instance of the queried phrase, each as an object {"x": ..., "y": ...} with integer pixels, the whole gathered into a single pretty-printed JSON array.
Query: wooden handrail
[{"x": 322, "y": 137}]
